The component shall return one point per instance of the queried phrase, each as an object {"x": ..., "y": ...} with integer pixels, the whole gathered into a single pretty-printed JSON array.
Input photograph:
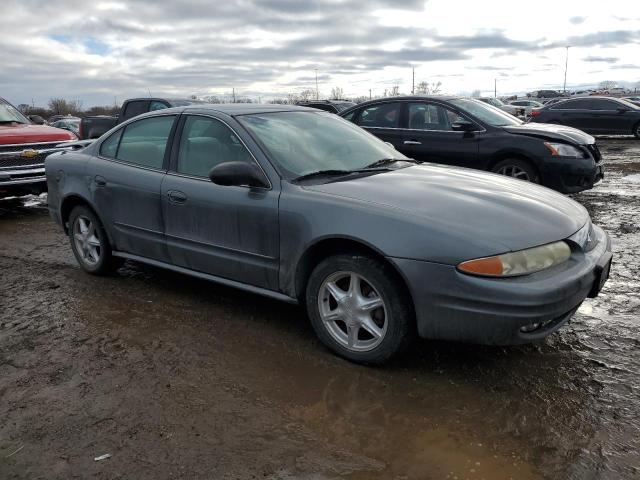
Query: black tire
[
  {"x": 106, "y": 262},
  {"x": 636, "y": 130},
  {"x": 516, "y": 163},
  {"x": 398, "y": 314}
]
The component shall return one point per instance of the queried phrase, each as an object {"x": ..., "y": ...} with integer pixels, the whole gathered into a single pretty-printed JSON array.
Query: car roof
[{"x": 233, "y": 109}]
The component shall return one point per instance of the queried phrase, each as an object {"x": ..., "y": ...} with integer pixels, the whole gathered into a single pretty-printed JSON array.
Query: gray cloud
[
  {"x": 593, "y": 58},
  {"x": 577, "y": 20}
]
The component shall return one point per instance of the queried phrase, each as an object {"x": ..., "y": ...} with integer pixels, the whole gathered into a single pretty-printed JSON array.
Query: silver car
[{"x": 305, "y": 207}]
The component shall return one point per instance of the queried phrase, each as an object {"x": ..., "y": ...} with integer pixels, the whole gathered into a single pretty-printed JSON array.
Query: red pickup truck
[{"x": 23, "y": 148}]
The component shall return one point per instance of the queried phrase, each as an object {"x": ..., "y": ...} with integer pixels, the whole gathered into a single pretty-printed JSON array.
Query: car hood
[
  {"x": 491, "y": 213},
  {"x": 21, "y": 133},
  {"x": 552, "y": 132}
]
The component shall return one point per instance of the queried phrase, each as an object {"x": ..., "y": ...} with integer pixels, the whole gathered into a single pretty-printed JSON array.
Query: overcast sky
[{"x": 96, "y": 51}]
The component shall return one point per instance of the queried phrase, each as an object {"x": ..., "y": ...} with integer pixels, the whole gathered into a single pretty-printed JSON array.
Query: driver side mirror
[
  {"x": 622, "y": 110},
  {"x": 463, "y": 126},
  {"x": 238, "y": 174},
  {"x": 37, "y": 119}
]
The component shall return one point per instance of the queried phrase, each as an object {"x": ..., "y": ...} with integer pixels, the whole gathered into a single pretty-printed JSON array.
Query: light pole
[
  {"x": 566, "y": 64},
  {"x": 495, "y": 87},
  {"x": 317, "y": 93}
]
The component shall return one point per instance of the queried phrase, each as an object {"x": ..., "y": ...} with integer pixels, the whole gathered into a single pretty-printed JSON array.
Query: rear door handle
[
  {"x": 176, "y": 196},
  {"x": 99, "y": 181},
  {"x": 412, "y": 142}
]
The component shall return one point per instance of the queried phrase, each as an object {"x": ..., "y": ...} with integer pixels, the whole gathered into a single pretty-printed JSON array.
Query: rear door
[
  {"x": 227, "y": 231},
  {"x": 383, "y": 120},
  {"x": 573, "y": 113},
  {"x": 125, "y": 182},
  {"x": 429, "y": 136}
]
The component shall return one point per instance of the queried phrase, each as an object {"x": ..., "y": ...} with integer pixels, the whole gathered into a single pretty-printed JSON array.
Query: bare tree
[
  {"x": 607, "y": 84},
  {"x": 476, "y": 93},
  {"x": 426, "y": 88},
  {"x": 307, "y": 94},
  {"x": 60, "y": 106},
  {"x": 337, "y": 93},
  {"x": 395, "y": 91}
]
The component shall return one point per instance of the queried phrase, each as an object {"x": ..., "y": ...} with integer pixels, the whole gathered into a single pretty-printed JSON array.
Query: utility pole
[
  {"x": 566, "y": 64},
  {"x": 413, "y": 80},
  {"x": 233, "y": 91},
  {"x": 369, "y": 94},
  {"x": 495, "y": 87},
  {"x": 317, "y": 92}
]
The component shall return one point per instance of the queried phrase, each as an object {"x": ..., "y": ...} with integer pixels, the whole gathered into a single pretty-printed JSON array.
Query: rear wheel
[
  {"x": 89, "y": 242},
  {"x": 636, "y": 130},
  {"x": 359, "y": 309},
  {"x": 517, "y": 168}
]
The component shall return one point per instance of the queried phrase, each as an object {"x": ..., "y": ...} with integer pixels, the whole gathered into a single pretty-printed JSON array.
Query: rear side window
[
  {"x": 155, "y": 105},
  {"x": 206, "y": 143},
  {"x": 144, "y": 142},
  {"x": 109, "y": 147},
  {"x": 385, "y": 115},
  {"x": 133, "y": 109}
]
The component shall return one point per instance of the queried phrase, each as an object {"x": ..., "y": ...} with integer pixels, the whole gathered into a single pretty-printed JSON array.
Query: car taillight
[{"x": 535, "y": 113}]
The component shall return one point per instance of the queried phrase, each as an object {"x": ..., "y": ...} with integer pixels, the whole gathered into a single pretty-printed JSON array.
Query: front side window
[
  {"x": 384, "y": 115},
  {"x": 299, "y": 143},
  {"x": 604, "y": 105},
  {"x": 206, "y": 143},
  {"x": 109, "y": 147},
  {"x": 144, "y": 142},
  {"x": 429, "y": 116}
]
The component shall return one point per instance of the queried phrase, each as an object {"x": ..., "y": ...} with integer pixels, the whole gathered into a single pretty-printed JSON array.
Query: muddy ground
[{"x": 181, "y": 378}]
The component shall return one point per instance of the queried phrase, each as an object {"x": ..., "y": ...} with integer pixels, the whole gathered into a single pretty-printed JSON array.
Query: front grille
[
  {"x": 595, "y": 151},
  {"x": 10, "y": 155},
  {"x": 28, "y": 146},
  {"x": 10, "y": 162}
]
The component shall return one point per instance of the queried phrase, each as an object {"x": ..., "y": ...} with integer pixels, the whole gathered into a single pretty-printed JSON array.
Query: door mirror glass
[
  {"x": 37, "y": 119},
  {"x": 239, "y": 174},
  {"x": 463, "y": 126},
  {"x": 622, "y": 109}
]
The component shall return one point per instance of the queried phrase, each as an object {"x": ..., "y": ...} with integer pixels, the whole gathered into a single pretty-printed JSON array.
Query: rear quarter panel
[{"x": 66, "y": 176}]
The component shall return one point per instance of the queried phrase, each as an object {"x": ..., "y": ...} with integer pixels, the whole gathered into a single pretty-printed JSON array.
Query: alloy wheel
[
  {"x": 515, "y": 172},
  {"x": 352, "y": 311},
  {"x": 87, "y": 240}
]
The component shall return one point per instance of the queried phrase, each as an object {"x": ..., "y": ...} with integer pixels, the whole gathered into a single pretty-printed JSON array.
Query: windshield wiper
[
  {"x": 387, "y": 161},
  {"x": 324, "y": 173}
]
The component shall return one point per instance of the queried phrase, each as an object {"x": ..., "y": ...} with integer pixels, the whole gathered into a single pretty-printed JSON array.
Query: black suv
[
  {"x": 333, "y": 106},
  {"x": 597, "y": 115},
  {"x": 468, "y": 133}
]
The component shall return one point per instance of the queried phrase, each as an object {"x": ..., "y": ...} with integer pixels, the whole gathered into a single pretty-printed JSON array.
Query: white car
[
  {"x": 496, "y": 102},
  {"x": 618, "y": 91},
  {"x": 528, "y": 105}
]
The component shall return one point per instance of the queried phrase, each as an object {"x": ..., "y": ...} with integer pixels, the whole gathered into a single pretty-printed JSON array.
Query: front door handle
[
  {"x": 175, "y": 196},
  {"x": 99, "y": 181},
  {"x": 412, "y": 142}
]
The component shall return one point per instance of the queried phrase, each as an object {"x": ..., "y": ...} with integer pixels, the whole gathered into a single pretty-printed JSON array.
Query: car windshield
[
  {"x": 629, "y": 104},
  {"x": 8, "y": 113},
  {"x": 485, "y": 113},
  {"x": 300, "y": 143}
]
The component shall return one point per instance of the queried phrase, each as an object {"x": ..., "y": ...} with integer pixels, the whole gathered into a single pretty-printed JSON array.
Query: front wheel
[
  {"x": 516, "y": 168},
  {"x": 359, "y": 308},
  {"x": 89, "y": 242}
]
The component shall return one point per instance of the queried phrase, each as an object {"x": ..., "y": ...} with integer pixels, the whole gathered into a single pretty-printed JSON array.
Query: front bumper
[
  {"x": 571, "y": 175},
  {"x": 451, "y": 305}
]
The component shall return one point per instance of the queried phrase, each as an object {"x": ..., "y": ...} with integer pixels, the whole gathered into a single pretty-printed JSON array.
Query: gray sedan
[{"x": 305, "y": 207}]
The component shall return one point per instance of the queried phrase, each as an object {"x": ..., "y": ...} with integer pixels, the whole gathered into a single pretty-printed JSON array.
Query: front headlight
[
  {"x": 518, "y": 263},
  {"x": 563, "y": 150}
]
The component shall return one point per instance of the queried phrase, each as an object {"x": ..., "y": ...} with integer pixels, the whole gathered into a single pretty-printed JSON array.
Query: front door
[
  {"x": 430, "y": 137},
  {"x": 226, "y": 231},
  {"x": 125, "y": 182}
]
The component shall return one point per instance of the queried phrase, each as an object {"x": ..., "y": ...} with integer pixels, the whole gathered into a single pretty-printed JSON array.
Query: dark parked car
[
  {"x": 597, "y": 115},
  {"x": 546, "y": 94},
  {"x": 468, "y": 133},
  {"x": 302, "y": 206},
  {"x": 333, "y": 106},
  {"x": 95, "y": 127}
]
